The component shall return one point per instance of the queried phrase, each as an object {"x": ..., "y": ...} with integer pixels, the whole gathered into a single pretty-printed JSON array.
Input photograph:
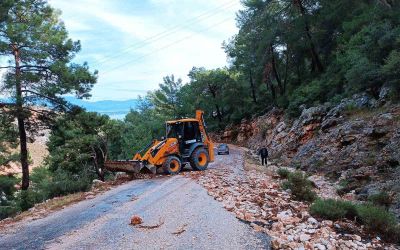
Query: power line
[
  {"x": 168, "y": 32},
  {"x": 164, "y": 47},
  {"x": 148, "y": 41}
]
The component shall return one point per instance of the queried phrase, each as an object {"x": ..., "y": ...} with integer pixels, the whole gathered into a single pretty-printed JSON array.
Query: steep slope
[{"x": 356, "y": 143}]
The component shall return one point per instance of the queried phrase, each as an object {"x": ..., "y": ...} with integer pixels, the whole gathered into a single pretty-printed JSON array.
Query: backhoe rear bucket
[{"x": 129, "y": 166}]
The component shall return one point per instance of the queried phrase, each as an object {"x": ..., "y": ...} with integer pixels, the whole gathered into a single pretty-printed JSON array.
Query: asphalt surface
[{"x": 188, "y": 217}]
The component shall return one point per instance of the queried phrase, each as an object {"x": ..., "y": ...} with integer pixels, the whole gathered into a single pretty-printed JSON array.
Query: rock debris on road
[{"x": 191, "y": 220}]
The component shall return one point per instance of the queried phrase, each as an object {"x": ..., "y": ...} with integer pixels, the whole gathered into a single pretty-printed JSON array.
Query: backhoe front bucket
[{"x": 129, "y": 166}]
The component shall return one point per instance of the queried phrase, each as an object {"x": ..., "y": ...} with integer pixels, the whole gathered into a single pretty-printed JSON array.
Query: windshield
[{"x": 173, "y": 130}]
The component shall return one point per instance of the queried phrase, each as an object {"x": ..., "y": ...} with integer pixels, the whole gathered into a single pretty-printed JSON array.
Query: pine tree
[{"x": 39, "y": 72}]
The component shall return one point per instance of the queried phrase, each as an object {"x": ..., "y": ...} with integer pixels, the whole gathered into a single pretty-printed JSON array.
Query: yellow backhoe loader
[{"x": 186, "y": 141}]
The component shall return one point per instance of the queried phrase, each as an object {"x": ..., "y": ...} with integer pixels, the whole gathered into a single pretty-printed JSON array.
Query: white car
[{"x": 223, "y": 149}]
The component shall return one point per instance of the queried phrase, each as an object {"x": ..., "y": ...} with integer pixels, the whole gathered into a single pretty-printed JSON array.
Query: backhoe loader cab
[{"x": 186, "y": 142}]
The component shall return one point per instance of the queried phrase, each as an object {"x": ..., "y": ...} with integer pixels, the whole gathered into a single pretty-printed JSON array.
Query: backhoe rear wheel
[
  {"x": 199, "y": 159},
  {"x": 172, "y": 165}
]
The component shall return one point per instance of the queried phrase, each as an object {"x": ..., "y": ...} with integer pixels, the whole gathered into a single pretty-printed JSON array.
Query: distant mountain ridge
[
  {"x": 105, "y": 106},
  {"x": 115, "y": 109}
]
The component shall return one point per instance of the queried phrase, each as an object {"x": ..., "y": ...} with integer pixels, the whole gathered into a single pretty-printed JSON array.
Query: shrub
[
  {"x": 62, "y": 185},
  {"x": 27, "y": 199},
  {"x": 377, "y": 219},
  {"x": 8, "y": 206},
  {"x": 300, "y": 186},
  {"x": 283, "y": 173},
  {"x": 333, "y": 209},
  {"x": 264, "y": 127},
  {"x": 47, "y": 184},
  {"x": 382, "y": 199},
  {"x": 7, "y": 184},
  {"x": 8, "y": 211}
]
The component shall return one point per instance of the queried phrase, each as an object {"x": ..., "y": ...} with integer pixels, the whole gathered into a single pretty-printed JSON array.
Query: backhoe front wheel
[
  {"x": 172, "y": 165},
  {"x": 199, "y": 159}
]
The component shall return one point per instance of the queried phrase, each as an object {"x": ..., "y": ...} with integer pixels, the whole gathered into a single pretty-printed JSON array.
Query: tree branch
[
  {"x": 4, "y": 104},
  {"x": 26, "y": 66},
  {"x": 46, "y": 97},
  {"x": 34, "y": 66},
  {"x": 40, "y": 111}
]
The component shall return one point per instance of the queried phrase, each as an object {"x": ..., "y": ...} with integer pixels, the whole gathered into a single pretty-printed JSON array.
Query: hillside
[{"x": 355, "y": 144}]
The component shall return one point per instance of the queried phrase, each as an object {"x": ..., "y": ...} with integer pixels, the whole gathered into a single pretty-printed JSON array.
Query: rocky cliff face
[{"x": 356, "y": 142}]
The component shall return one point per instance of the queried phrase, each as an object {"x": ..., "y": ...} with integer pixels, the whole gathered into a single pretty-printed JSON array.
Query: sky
[{"x": 135, "y": 43}]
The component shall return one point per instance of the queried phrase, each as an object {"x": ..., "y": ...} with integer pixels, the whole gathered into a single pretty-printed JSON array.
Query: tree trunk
[
  {"x": 219, "y": 115},
  {"x": 267, "y": 80},
  {"x": 273, "y": 91},
  {"x": 214, "y": 95},
  {"x": 253, "y": 91},
  {"x": 98, "y": 170},
  {"x": 316, "y": 62},
  {"x": 274, "y": 69},
  {"x": 286, "y": 71},
  {"x": 298, "y": 73},
  {"x": 21, "y": 122}
]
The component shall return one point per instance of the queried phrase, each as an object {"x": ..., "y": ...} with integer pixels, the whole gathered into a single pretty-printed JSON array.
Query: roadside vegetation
[
  {"x": 372, "y": 214},
  {"x": 300, "y": 186},
  {"x": 283, "y": 173},
  {"x": 377, "y": 220}
]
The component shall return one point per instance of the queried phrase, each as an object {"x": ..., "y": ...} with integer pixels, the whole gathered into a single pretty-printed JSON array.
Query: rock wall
[
  {"x": 356, "y": 133},
  {"x": 357, "y": 140}
]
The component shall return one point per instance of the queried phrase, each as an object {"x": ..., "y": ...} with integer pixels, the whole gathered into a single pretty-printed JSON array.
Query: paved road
[{"x": 103, "y": 222}]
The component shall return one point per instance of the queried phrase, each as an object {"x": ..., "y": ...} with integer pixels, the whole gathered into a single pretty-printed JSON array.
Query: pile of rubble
[{"x": 256, "y": 198}]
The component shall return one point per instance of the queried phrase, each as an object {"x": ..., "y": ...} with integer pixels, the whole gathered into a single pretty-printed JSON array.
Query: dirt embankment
[
  {"x": 37, "y": 153},
  {"x": 355, "y": 143}
]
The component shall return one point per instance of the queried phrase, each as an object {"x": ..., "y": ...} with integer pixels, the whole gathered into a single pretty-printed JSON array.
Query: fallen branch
[
  {"x": 160, "y": 223},
  {"x": 180, "y": 230}
]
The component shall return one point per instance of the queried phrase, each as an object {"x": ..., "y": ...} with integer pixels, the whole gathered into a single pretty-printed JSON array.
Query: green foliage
[
  {"x": 286, "y": 54},
  {"x": 8, "y": 141},
  {"x": 375, "y": 218},
  {"x": 300, "y": 52},
  {"x": 8, "y": 211},
  {"x": 283, "y": 173},
  {"x": 381, "y": 199},
  {"x": 331, "y": 209},
  {"x": 138, "y": 129},
  {"x": 380, "y": 221},
  {"x": 47, "y": 184},
  {"x": 8, "y": 205},
  {"x": 26, "y": 199},
  {"x": 300, "y": 187},
  {"x": 7, "y": 185},
  {"x": 391, "y": 72},
  {"x": 44, "y": 48},
  {"x": 37, "y": 56},
  {"x": 7, "y": 191},
  {"x": 214, "y": 92},
  {"x": 78, "y": 142},
  {"x": 264, "y": 127},
  {"x": 166, "y": 99}
]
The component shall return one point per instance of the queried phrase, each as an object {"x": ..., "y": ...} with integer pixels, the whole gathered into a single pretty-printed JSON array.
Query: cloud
[{"x": 134, "y": 44}]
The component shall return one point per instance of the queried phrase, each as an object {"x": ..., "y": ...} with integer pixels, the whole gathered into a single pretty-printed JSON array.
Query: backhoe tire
[
  {"x": 172, "y": 165},
  {"x": 199, "y": 159}
]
